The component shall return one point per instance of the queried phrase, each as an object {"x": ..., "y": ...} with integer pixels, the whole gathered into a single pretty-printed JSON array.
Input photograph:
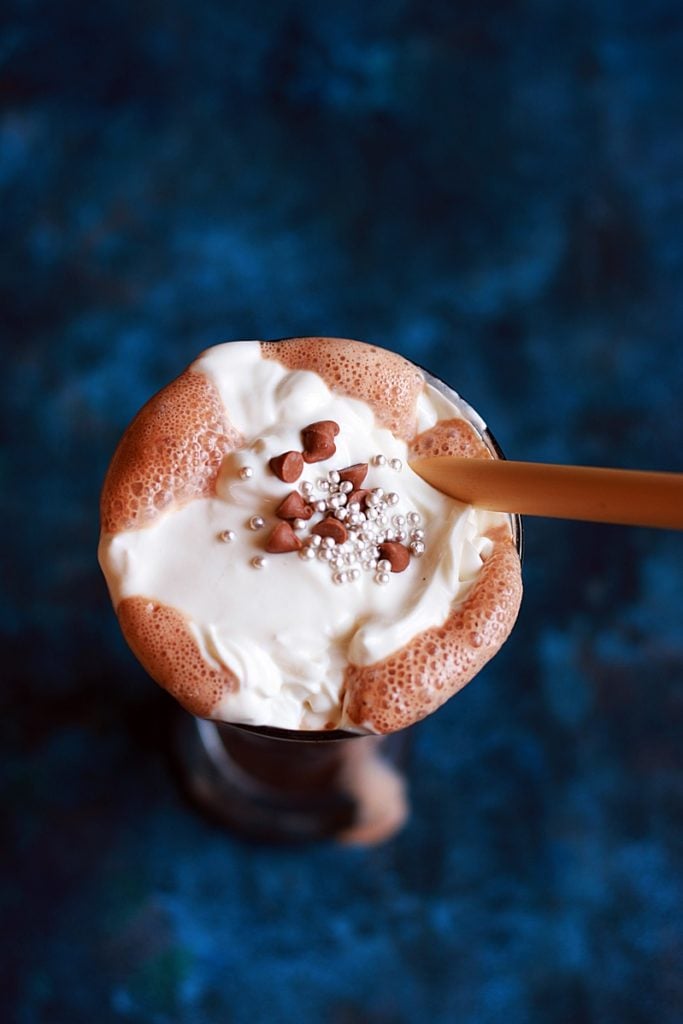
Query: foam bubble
[
  {"x": 386, "y": 381},
  {"x": 170, "y": 454},
  {"x": 450, "y": 437},
  {"x": 161, "y": 640},
  {"x": 415, "y": 681}
]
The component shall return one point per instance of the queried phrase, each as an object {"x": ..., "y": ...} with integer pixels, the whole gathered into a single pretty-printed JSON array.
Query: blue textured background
[{"x": 495, "y": 190}]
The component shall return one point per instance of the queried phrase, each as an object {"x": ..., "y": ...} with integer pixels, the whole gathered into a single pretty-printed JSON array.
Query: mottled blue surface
[{"x": 496, "y": 191}]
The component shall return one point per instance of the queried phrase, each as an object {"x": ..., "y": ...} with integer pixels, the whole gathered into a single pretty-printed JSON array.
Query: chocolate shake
[{"x": 273, "y": 560}]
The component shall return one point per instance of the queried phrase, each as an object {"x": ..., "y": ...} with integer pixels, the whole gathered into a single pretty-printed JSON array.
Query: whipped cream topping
[{"x": 286, "y": 630}]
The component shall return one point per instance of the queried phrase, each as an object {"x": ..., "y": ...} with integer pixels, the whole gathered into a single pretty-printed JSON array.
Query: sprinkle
[
  {"x": 320, "y": 506},
  {"x": 417, "y": 535},
  {"x": 378, "y": 492},
  {"x": 346, "y": 487},
  {"x": 399, "y": 521},
  {"x": 328, "y": 542},
  {"x": 379, "y": 460},
  {"x": 322, "y": 485},
  {"x": 384, "y": 565},
  {"x": 333, "y": 476},
  {"x": 393, "y": 498},
  {"x": 315, "y": 541},
  {"x": 259, "y": 562},
  {"x": 414, "y": 518},
  {"x": 417, "y": 548},
  {"x": 382, "y": 578},
  {"x": 227, "y": 536},
  {"x": 257, "y": 523},
  {"x": 396, "y": 464},
  {"x": 307, "y": 553},
  {"x": 246, "y": 473}
]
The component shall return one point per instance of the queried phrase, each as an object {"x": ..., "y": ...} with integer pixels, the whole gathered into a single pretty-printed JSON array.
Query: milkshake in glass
[{"x": 277, "y": 566}]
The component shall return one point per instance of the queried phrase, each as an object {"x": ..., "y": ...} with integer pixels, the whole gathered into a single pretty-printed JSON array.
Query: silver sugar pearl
[
  {"x": 355, "y": 574},
  {"x": 389, "y": 534},
  {"x": 396, "y": 464},
  {"x": 379, "y": 460},
  {"x": 417, "y": 535},
  {"x": 378, "y": 492},
  {"x": 320, "y": 506},
  {"x": 324, "y": 554},
  {"x": 384, "y": 565},
  {"x": 417, "y": 548},
  {"x": 307, "y": 553},
  {"x": 328, "y": 542},
  {"x": 246, "y": 473},
  {"x": 257, "y": 523},
  {"x": 259, "y": 562},
  {"x": 340, "y": 577},
  {"x": 414, "y": 518},
  {"x": 341, "y": 514},
  {"x": 401, "y": 535},
  {"x": 315, "y": 540},
  {"x": 306, "y": 488},
  {"x": 382, "y": 578},
  {"x": 323, "y": 485},
  {"x": 299, "y": 524},
  {"x": 227, "y": 536},
  {"x": 398, "y": 520},
  {"x": 393, "y": 498},
  {"x": 346, "y": 487}
]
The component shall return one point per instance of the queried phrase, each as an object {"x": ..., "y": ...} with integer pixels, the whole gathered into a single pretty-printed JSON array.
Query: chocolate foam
[
  {"x": 169, "y": 455},
  {"x": 450, "y": 437},
  {"x": 161, "y": 640},
  {"x": 423, "y": 675},
  {"x": 419, "y": 678},
  {"x": 386, "y": 381}
]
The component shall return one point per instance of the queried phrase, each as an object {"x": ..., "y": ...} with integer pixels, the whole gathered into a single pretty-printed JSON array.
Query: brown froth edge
[
  {"x": 160, "y": 639},
  {"x": 409, "y": 685},
  {"x": 386, "y": 381},
  {"x": 170, "y": 454},
  {"x": 423, "y": 675}
]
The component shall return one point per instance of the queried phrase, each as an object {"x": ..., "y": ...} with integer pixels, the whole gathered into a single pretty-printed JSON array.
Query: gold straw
[{"x": 629, "y": 496}]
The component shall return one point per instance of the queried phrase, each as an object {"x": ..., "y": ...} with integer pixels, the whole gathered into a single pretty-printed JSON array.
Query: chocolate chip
[
  {"x": 333, "y": 528},
  {"x": 358, "y": 497},
  {"x": 355, "y": 474},
  {"x": 318, "y": 445},
  {"x": 293, "y": 507},
  {"x": 324, "y": 427},
  {"x": 282, "y": 539},
  {"x": 396, "y": 554},
  {"x": 288, "y": 466}
]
